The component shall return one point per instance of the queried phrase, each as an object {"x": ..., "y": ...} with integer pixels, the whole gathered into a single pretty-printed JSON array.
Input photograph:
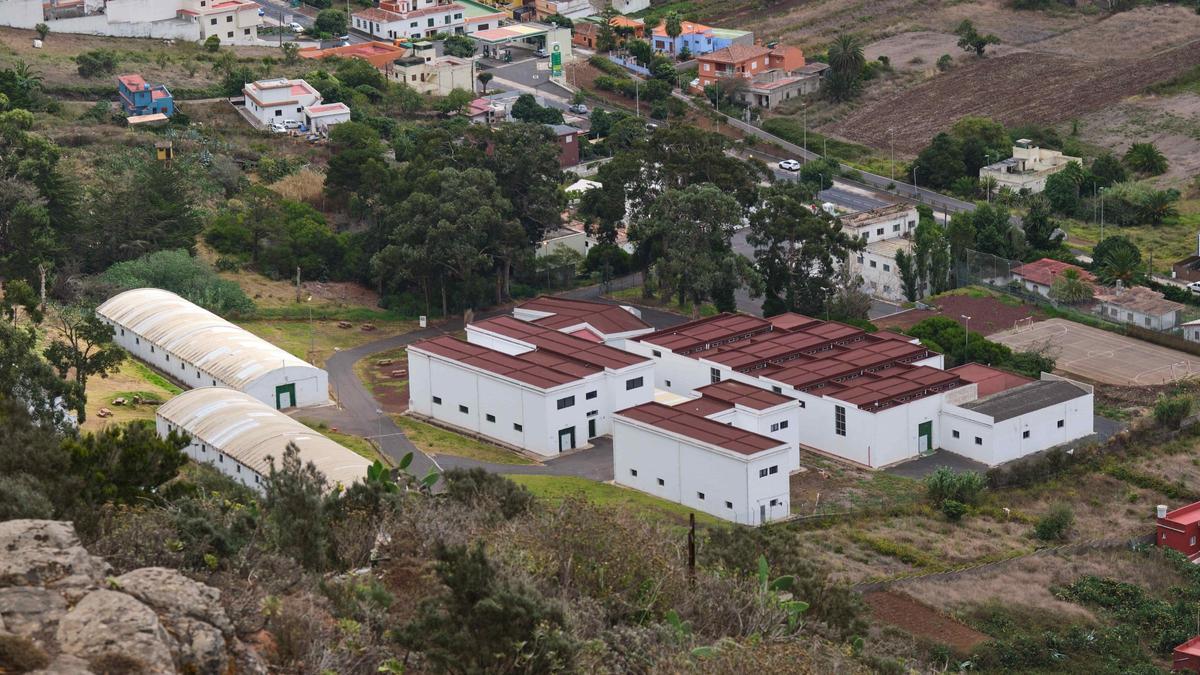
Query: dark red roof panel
[
  {"x": 989, "y": 380},
  {"x": 708, "y": 332},
  {"x": 695, "y": 427},
  {"x": 740, "y": 393},
  {"x": 543, "y": 370},
  {"x": 567, "y": 312},
  {"x": 568, "y": 346}
]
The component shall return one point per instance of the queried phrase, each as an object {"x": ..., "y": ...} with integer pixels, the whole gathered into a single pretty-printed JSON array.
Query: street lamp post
[
  {"x": 892, "y": 144},
  {"x": 804, "y": 105},
  {"x": 988, "y": 178},
  {"x": 637, "y": 96},
  {"x": 966, "y": 336},
  {"x": 915, "y": 167},
  {"x": 1102, "y": 214}
]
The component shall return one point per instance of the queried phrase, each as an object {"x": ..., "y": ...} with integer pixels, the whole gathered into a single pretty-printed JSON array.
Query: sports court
[{"x": 1099, "y": 355}]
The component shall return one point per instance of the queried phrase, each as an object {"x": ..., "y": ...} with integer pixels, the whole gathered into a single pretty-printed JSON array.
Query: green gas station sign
[{"x": 556, "y": 61}]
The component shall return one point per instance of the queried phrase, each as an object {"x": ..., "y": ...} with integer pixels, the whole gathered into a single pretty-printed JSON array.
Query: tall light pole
[
  {"x": 1102, "y": 214},
  {"x": 312, "y": 331},
  {"x": 966, "y": 336},
  {"x": 915, "y": 167},
  {"x": 988, "y": 178},
  {"x": 637, "y": 96},
  {"x": 804, "y": 105},
  {"x": 892, "y": 144}
]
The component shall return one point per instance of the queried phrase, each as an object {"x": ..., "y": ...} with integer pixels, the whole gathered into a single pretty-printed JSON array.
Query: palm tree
[
  {"x": 1070, "y": 288},
  {"x": 846, "y": 62},
  {"x": 1159, "y": 205},
  {"x": 674, "y": 25},
  {"x": 484, "y": 78},
  {"x": 1146, "y": 158},
  {"x": 1120, "y": 263}
]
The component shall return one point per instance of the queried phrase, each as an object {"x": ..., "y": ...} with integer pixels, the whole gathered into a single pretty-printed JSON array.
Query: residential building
[
  {"x": 593, "y": 321},
  {"x": 572, "y": 9},
  {"x": 697, "y": 39},
  {"x": 197, "y": 348},
  {"x": 240, "y": 436},
  {"x": 321, "y": 117},
  {"x": 1017, "y": 421},
  {"x": 1191, "y": 331},
  {"x": 584, "y": 32},
  {"x": 630, "y": 6},
  {"x": 232, "y": 21},
  {"x": 713, "y": 467},
  {"x": 885, "y": 222},
  {"x": 1028, "y": 168},
  {"x": 379, "y": 54},
  {"x": 394, "y": 19},
  {"x": 1179, "y": 529},
  {"x": 141, "y": 98},
  {"x": 1039, "y": 275},
  {"x": 428, "y": 73},
  {"x": 768, "y": 90},
  {"x": 876, "y": 264},
  {"x": 526, "y": 385},
  {"x": 1139, "y": 306},
  {"x": 567, "y": 138},
  {"x": 874, "y": 399},
  {"x": 746, "y": 62},
  {"x": 279, "y": 100},
  {"x": 571, "y": 236}
]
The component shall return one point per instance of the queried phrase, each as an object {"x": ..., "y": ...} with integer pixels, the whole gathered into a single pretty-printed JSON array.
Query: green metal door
[
  {"x": 285, "y": 396},
  {"x": 925, "y": 437}
]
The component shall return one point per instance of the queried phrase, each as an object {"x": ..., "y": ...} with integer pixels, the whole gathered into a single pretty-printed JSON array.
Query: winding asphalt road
[{"x": 358, "y": 413}]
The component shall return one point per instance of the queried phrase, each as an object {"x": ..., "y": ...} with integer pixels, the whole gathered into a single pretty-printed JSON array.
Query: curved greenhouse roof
[
  {"x": 231, "y": 354},
  {"x": 250, "y": 431}
]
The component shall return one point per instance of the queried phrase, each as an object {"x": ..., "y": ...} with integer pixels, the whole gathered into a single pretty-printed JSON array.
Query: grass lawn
[
  {"x": 437, "y": 441},
  {"x": 1165, "y": 244},
  {"x": 634, "y": 295},
  {"x": 297, "y": 336},
  {"x": 557, "y": 488},
  {"x": 133, "y": 378},
  {"x": 357, "y": 444}
]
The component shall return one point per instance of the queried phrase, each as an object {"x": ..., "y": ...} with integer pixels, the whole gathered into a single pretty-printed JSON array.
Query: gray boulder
[{"x": 46, "y": 553}]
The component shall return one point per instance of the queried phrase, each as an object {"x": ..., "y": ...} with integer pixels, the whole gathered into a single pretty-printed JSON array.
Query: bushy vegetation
[
  {"x": 1170, "y": 411},
  {"x": 952, "y": 492},
  {"x": 1056, "y": 524},
  {"x": 947, "y": 336},
  {"x": 183, "y": 274}
]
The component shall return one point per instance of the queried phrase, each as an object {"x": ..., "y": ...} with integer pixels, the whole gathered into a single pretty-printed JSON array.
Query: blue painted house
[
  {"x": 140, "y": 98},
  {"x": 697, "y": 38}
]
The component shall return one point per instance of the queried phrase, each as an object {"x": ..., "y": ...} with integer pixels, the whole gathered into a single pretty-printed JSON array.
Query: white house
[
  {"x": 593, "y": 321},
  {"x": 232, "y": 21},
  {"x": 197, "y": 348},
  {"x": 1016, "y": 422},
  {"x": 321, "y": 117},
  {"x": 1038, "y": 276},
  {"x": 1139, "y": 306},
  {"x": 1191, "y": 330},
  {"x": 717, "y": 468},
  {"x": 280, "y": 100},
  {"x": 885, "y": 222},
  {"x": 1028, "y": 168},
  {"x": 400, "y": 19},
  {"x": 570, "y": 236},
  {"x": 874, "y": 399},
  {"x": 239, "y": 436},
  {"x": 876, "y": 264},
  {"x": 525, "y": 385}
]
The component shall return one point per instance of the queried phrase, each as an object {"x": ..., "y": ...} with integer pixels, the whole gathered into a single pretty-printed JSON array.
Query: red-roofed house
[
  {"x": 773, "y": 74},
  {"x": 284, "y": 101},
  {"x": 1039, "y": 275},
  {"x": 1187, "y": 656},
  {"x": 1179, "y": 529},
  {"x": 714, "y": 467},
  {"x": 525, "y": 385},
  {"x": 613, "y": 324}
]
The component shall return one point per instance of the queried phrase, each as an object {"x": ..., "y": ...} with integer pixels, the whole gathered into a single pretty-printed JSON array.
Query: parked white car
[
  {"x": 789, "y": 165},
  {"x": 1194, "y": 287},
  {"x": 278, "y": 128},
  {"x": 291, "y": 124},
  {"x": 296, "y": 28}
]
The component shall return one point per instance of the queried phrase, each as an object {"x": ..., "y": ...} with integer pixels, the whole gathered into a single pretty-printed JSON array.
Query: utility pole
[
  {"x": 805, "y": 106},
  {"x": 637, "y": 96},
  {"x": 692, "y": 548},
  {"x": 1101, "y": 214},
  {"x": 892, "y": 144},
  {"x": 914, "y": 177},
  {"x": 297, "y": 283},
  {"x": 966, "y": 336}
]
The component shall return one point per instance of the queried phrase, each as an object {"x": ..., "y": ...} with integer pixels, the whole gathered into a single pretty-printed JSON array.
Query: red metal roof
[
  {"x": 708, "y": 333},
  {"x": 1045, "y": 271},
  {"x": 690, "y": 425},
  {"x": 704, "y": 406},
  {"x": 733, "y": 392},
  {"x": 989, "y": 380},
  {"x": 1184, "y": 515},
  {"x": 1191, "y": 647},
  {"x": 605, "y": 318},
  {"x": 566, "y": 346},
  {"x": 896, "y": 385},
  {"x": 540, "y": 369}
]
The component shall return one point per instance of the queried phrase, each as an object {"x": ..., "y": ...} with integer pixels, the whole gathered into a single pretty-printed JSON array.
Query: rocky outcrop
[{"x": 61, "y": 600}]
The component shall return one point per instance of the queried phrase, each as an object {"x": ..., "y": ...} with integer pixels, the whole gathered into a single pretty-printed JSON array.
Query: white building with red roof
[
  {"x": 231, "y": 21},
  {"x": 408, "y": 19},
  {"x": 593, "y": 321},
  {"x": 1039, "y": 275},
  {"x": 525, "y": 385},
  {"x": 234, "y": 22},
  {"x": 281, "y": 100}
]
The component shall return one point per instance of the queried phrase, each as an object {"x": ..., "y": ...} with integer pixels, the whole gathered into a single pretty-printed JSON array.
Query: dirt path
[{"x": 921, "y": 620}]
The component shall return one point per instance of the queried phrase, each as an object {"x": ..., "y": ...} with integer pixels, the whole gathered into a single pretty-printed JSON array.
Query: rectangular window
[
  {"x": 860, "y": 260},
  {"x": 1060, "y": 424},
  {"x": 246, "y": 31},
  {"x": 633, "y": 472},
  {"x": 887, "y": 267},
  {"x": 168, "y": 358},
  {"x": 774, "y": 502},
  {"x": 762, "y": 473},
  {"x": 1025, "y": 434},
  {"x": 668, "y": 384},
  {"x": 212, "y": 22},
  {"x": 879, "y": 232},
  {"x": 517, "y": 427},
  {"x": 954, "y": 433},
  {"x": 229, "y": 34},
  {"x": 662, "y": 482},
  {"x": 729, "y": 505},
  {"x": 437, "y": 400},
  {"x": 777, "y": 390},
  {"x": 896, "y": 227},
  {"x": 873, "y": 264},
  {"x": 773, "y": 470},
  {"x": 229, "y": 19},
  {"x": 700, "y": 495},
  {"x": 839, "y": 420},
  {"x": 656, "y": 353},
  {"x": 491, "y": 418},
  {"x": 801, "y": 404},
  {"x": 566, "y": 402},
  {"x": 590, "y": 395},
  {"x": 714, "y": 375},
  {"x": 978, "y": 441},
  {"x": 635, "y": 383},
  {"x": 463, "y": 409}
]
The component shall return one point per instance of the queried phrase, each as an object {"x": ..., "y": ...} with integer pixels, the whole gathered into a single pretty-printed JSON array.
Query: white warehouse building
[
  {"x": 197, "y": 348},
  {"x": 239, "y": 436},
  {"x": 525, "y": 385},
  {"x": 704, "y": 464}
]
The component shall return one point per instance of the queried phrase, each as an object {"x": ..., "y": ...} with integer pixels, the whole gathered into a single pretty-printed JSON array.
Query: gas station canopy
[{"x": 505, "y": 34}]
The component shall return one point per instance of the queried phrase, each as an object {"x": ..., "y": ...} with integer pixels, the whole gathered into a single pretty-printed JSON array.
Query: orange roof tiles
[{"x": 1046, "y": 270}]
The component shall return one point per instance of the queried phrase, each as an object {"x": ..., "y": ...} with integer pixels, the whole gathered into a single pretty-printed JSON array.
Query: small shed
[
  {"x": 1187, "y": 656},
  {"x": 164, "y": 151},
  {"x": 1179, "y": 529}
]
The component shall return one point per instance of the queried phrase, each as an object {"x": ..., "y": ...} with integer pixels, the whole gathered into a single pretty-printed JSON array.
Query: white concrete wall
[
  {"x": 312, "y": 383},
  {"x": 201, "y": 450},
  {"x": 688, "y": 469},
  {"x": 1153, "y": 322},
  {"x": 138, "y": 11},
  {"x": 672, "y": 372},
  {"x": 880, "y": 276},
  {"x": 1004, "y": 441},
  {"x": 888, "y": 228},
  {"x": 22, "y": 13}
]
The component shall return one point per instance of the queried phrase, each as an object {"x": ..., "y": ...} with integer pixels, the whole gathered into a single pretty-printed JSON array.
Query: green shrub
[
  {"x": 953, "y": 510},
  {"x": 475, "y": 487},
  {"x": 1056, "y": 524},
  {"x": 1169, "y": 412},
  {"x": 947, "y": 484},
  {"x": 213, "y": 43},
  {"x": 180, "y": 273},
  {"x": 607, "y": 67},
  {"x": 96, "y": 63}
]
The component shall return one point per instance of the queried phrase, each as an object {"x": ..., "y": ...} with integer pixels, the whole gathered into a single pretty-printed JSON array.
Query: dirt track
[{"x": 1017, "y": 88}]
